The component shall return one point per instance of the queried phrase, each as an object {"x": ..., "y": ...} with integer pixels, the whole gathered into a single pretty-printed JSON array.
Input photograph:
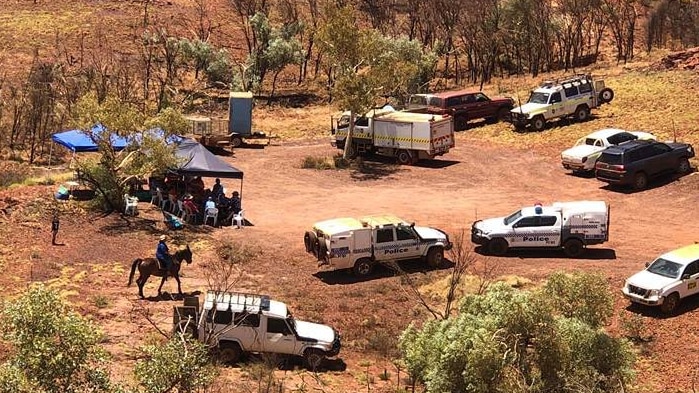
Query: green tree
[
  {"x": 365, "y": 65},
  {"x": 53, "y": 349},
  {"x": 110, "y": 171},
  {"x": 181, "y": 364},
  {"x": 275, "y": 48},
  {"x": 509, "y": 340}
]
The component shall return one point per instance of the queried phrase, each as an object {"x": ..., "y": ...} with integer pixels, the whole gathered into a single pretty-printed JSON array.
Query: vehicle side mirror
[
  {"x": 685, "y": 276},
  {"x": 412, "y": 224},
  {"x": 647, "y": 264}
]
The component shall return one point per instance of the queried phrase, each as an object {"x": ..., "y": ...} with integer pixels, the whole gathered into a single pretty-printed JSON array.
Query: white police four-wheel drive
[
  {"x": 670, "y": 278},
  {"x": 567, "y": 225},
  {"x": 359, "y": 244}
]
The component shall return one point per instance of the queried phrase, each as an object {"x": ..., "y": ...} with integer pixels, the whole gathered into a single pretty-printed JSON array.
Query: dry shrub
[{"x": 325, "y": 163}]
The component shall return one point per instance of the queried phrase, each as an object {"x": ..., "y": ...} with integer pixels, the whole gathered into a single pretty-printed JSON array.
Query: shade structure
[
  {"x": 79, "y": 141},
  {"x": 198, "y": 161}
]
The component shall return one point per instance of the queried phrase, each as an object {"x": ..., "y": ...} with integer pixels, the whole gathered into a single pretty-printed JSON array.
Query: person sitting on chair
[
  {"x": 235, "y": 206},
  {"x": 162, "y": 253},
  {"x": 210, "y": 204}
]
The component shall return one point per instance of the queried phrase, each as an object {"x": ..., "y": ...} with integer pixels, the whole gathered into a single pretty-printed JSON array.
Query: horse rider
[{"x": 162, "y": 253}]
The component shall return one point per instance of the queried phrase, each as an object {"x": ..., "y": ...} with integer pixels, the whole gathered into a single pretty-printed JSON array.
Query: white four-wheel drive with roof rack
[
  {"x": 360, "y": 244},
  {"x": 238, "y": 323},
  {"x": 670, "y": 278},
  {"x": 568, "y": 225},
  {"x": 570, "y": 97}
]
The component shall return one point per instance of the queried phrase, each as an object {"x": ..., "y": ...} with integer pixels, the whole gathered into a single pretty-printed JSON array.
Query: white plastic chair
[
  {"x": 238, "y": 219},
  {"x": 211, "y": 212},
  {"x": 131, "y": 205},
  {"x": 161, "y": 200}
]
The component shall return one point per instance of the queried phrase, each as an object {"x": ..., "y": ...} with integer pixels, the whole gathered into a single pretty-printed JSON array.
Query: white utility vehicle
[
  {"x": 238, "y": 323},
  {"x": 571, "y": 97},
  {"x": 568, "y": 225},
  {"x": 359, "y": 244},
  {"x": 670, "y": 278},
  {"x": 583, "y": 156},
  {"x": 409, "y": 137}
]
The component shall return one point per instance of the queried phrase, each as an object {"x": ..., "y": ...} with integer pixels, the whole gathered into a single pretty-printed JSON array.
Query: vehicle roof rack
[{"x": 245, "y": 301}]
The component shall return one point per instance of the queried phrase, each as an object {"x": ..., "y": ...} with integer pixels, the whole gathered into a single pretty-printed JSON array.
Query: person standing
[{"x": 55, "y": 224}]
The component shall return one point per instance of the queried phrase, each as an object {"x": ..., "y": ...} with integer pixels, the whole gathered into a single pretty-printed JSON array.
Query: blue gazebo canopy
[{"x": 79, "y": 141}]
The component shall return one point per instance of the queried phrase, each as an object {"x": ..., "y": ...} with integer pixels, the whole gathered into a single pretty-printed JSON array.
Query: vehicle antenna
[{"x": 674, "y": 132}]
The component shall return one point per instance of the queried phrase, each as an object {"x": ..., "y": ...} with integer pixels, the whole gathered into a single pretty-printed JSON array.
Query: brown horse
[{"x": 150, "y": 267}]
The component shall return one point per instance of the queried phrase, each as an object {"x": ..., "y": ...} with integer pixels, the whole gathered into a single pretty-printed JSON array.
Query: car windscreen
[
  {"x": 586, "y": 141},
  {"x": 418, "y": 100},
  {"x": 539, "y": 98},
  {"x": 665, "y": 268},
  {"x": 611, "y": 158},
  {"x": 513, "y": 217}
]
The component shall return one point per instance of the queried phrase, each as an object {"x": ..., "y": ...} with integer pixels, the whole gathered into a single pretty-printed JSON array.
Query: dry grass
[{"x": 657, "y": 102}]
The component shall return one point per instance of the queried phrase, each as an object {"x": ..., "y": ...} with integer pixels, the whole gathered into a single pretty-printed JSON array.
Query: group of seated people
[{"x": 196, "y": 200}]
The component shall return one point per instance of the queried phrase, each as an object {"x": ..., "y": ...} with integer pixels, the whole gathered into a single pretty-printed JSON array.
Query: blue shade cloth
[
  {"x": 79, "y": 141},
  {"x": 156, "y": 133},
  {"x": 200, "y": 162}
]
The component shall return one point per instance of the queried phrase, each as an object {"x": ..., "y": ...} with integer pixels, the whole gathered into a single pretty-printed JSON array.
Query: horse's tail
[{"x": 136, "y": 263}]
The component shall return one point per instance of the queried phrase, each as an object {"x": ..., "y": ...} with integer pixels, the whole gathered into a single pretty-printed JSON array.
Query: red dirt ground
[{"x": 282, "y": 200}]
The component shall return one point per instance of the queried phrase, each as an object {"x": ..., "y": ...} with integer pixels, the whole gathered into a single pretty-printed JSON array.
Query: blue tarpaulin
[
  {"x": 79, "y": 141},
  {"x": 197, "y": 160}
]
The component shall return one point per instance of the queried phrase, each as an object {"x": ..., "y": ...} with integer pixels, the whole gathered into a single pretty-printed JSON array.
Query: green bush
[
  {"x": 54, "y": 349},
  {"x": 510, "y": 340}
]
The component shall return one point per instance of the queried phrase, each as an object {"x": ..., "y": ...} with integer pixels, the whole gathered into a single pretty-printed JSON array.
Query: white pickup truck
[
  {"x": 238, "y": 323},
  {"x": 568, "y": 225},
  {"x": 359, "y": 244},
  {"x": 670, "y": 278}
]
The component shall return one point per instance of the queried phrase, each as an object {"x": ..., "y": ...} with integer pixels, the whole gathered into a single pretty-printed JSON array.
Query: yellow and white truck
[{"x": 409, "y": 137}]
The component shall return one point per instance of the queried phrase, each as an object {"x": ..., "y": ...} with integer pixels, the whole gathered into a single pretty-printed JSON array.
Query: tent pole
[{"x": 241, "y": 191}]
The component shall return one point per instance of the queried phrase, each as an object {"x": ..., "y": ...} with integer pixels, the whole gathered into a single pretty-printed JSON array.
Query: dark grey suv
[{"x": 634, "y": 162}]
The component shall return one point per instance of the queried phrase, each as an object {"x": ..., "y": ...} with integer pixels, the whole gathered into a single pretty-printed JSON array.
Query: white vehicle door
[
  {"x": 690, "y": 280},
  {"x": 279, "y": 338},
  {"x": 557, "y": 107},
  {"x": 222, "y": 325},
  {"x": 537, "y": 231},
  {"x": 407, "y": 242},
  {"x": 384, "y": 243},
  {"x": 340, "y": 251}
]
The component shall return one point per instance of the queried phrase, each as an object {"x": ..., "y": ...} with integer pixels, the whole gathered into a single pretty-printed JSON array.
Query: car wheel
[
  {"x": 670, "y": 304},
  {"x": 352, "y": 151},
  {"x": 582, "y": 113},
  {"x": 606, "y": 95},
  {"x": 460, "y": 123},
  {"x": 640, "y": 181},
  {"x": 309, "y": 239},
  {"x": 435, "y": 257},
  {"x": 236, "y": 141},
  {"x": 404, "y": 157},
  {"x": 313, "y": 358},
  {"x": 538, "y": 123},
  {"x": 229, "y": 352},
  {"x": 683, "y": 167},
  {"x": 573, "y": 248},
  {"x": 498, "y": 246},
  {"x": 503, "y": 114},
  {"x": 363, "y": 267}
]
